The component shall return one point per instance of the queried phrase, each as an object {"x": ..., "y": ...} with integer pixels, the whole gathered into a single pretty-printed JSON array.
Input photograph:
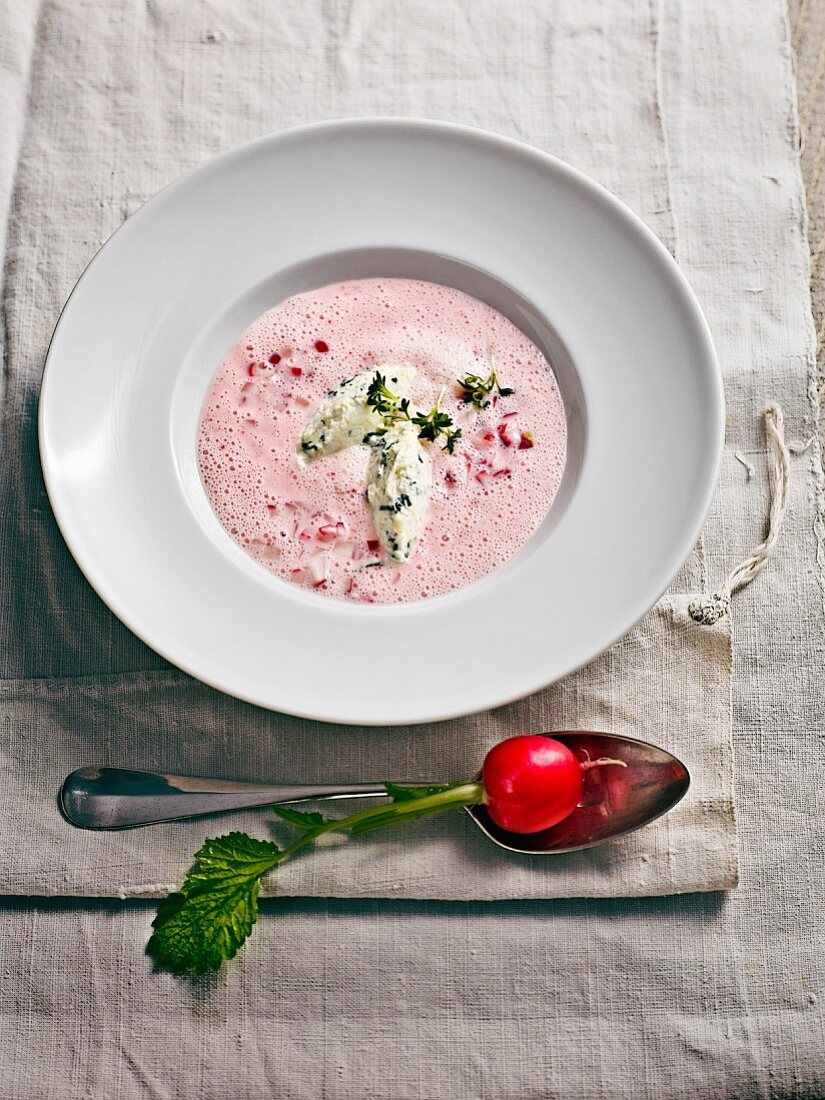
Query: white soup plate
[{"x": 155, "y": 311}]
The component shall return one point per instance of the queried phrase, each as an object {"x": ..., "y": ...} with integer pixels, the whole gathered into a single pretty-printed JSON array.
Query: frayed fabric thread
[{"x": 711, "y": 608}]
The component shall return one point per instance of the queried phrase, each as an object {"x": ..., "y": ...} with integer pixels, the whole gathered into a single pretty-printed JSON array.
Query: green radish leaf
[{"x": 205, "y": 923}]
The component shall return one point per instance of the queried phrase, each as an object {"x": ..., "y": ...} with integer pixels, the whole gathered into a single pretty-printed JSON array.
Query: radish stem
[{"x": 467, "y": 794}]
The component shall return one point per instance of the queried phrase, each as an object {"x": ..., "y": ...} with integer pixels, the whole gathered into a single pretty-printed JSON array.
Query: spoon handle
[{"x": 117, "y": 798}]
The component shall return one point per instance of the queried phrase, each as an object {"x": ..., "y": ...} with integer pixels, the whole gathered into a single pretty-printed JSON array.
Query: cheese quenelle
[{"x": 330, "y": 492}]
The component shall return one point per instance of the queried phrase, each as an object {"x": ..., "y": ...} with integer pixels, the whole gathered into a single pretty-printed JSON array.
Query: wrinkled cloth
[{"x": 686, "y": 110}]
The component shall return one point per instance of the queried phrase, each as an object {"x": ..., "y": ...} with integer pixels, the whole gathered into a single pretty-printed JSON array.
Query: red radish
[
  {"x": 503, "y": 436},
  {"x": 321, "y": 345},
  {"x": 296, "y": 371},
  {"x": 373, "y": 545},
  {"x": 533, "y": 782},
  {"x": 274, "y": 359},
  {"x": 504, "y": 472},
  {"x": 526, "y": 441}
]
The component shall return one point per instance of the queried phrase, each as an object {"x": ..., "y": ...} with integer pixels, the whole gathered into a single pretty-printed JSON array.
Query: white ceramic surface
[{"x": 153, "y": 313}]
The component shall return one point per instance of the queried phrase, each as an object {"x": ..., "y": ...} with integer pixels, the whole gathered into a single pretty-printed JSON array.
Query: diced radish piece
[
  {"x": 297, "y": 575},
  {"x": 272, "y": 508},
  {"x": 373, "y": 545},
  {"x": 485, "y": 439},
  {"x": 321, "y": 345},
  {"x": 250, "y": 370},
  {"x": 502, "y": 473},
  {"x": 266, "y": 550},
  {"x": 296, "y": 371},
  {"x": 328, "y": 532},
  {"x": 506, "y": 416},
  {"x": 305, "y": 536},
  {"x": 480, "y": 476},
  {"x": 317, "y": 568},
  {"x": 274, "y": 359},
  {"x": 246, "y": 387},
  {"x": 303, "y": 401},
  {"x": 503, "y": 436},
  {"x": 293, "y": 505},
  {"x": 343, "y": 551},
  {"x": 526, "y": 442},
  {"x": 449, "y": 478}
]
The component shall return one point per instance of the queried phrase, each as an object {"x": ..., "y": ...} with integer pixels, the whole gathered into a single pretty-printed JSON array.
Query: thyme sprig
[
  {"x": 431, "y": 426},
  {"x": 476, "y": 390}
]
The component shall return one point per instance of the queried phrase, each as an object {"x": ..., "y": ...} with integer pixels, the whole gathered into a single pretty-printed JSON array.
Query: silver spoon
[{"x": 616, "y": 800}]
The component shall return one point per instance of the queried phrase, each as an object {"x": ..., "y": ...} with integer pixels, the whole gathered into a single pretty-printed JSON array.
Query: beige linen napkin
[{"x": 166, "y": 721}]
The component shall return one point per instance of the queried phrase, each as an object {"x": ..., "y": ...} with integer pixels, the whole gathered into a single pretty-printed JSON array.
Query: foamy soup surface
[{"x": 312, "y": 525}]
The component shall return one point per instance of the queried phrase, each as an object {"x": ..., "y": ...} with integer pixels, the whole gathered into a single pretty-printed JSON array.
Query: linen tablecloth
[
  {"x": 79, "y": 689},
  {"x": 700, "y": 995}
]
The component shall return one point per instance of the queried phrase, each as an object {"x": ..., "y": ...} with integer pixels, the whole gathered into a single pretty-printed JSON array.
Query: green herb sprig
[
  {"x": 476, "y": 390},
  {"x": 435, "y": 424},
  {"x": 432, "y": 425},
  {"x": 385, "y": 402},
  {"x": 205, "y": 922}
]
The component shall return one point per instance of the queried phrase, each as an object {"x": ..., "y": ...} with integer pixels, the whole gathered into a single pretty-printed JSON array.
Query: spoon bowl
[{"x": 616, "y": 800}]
